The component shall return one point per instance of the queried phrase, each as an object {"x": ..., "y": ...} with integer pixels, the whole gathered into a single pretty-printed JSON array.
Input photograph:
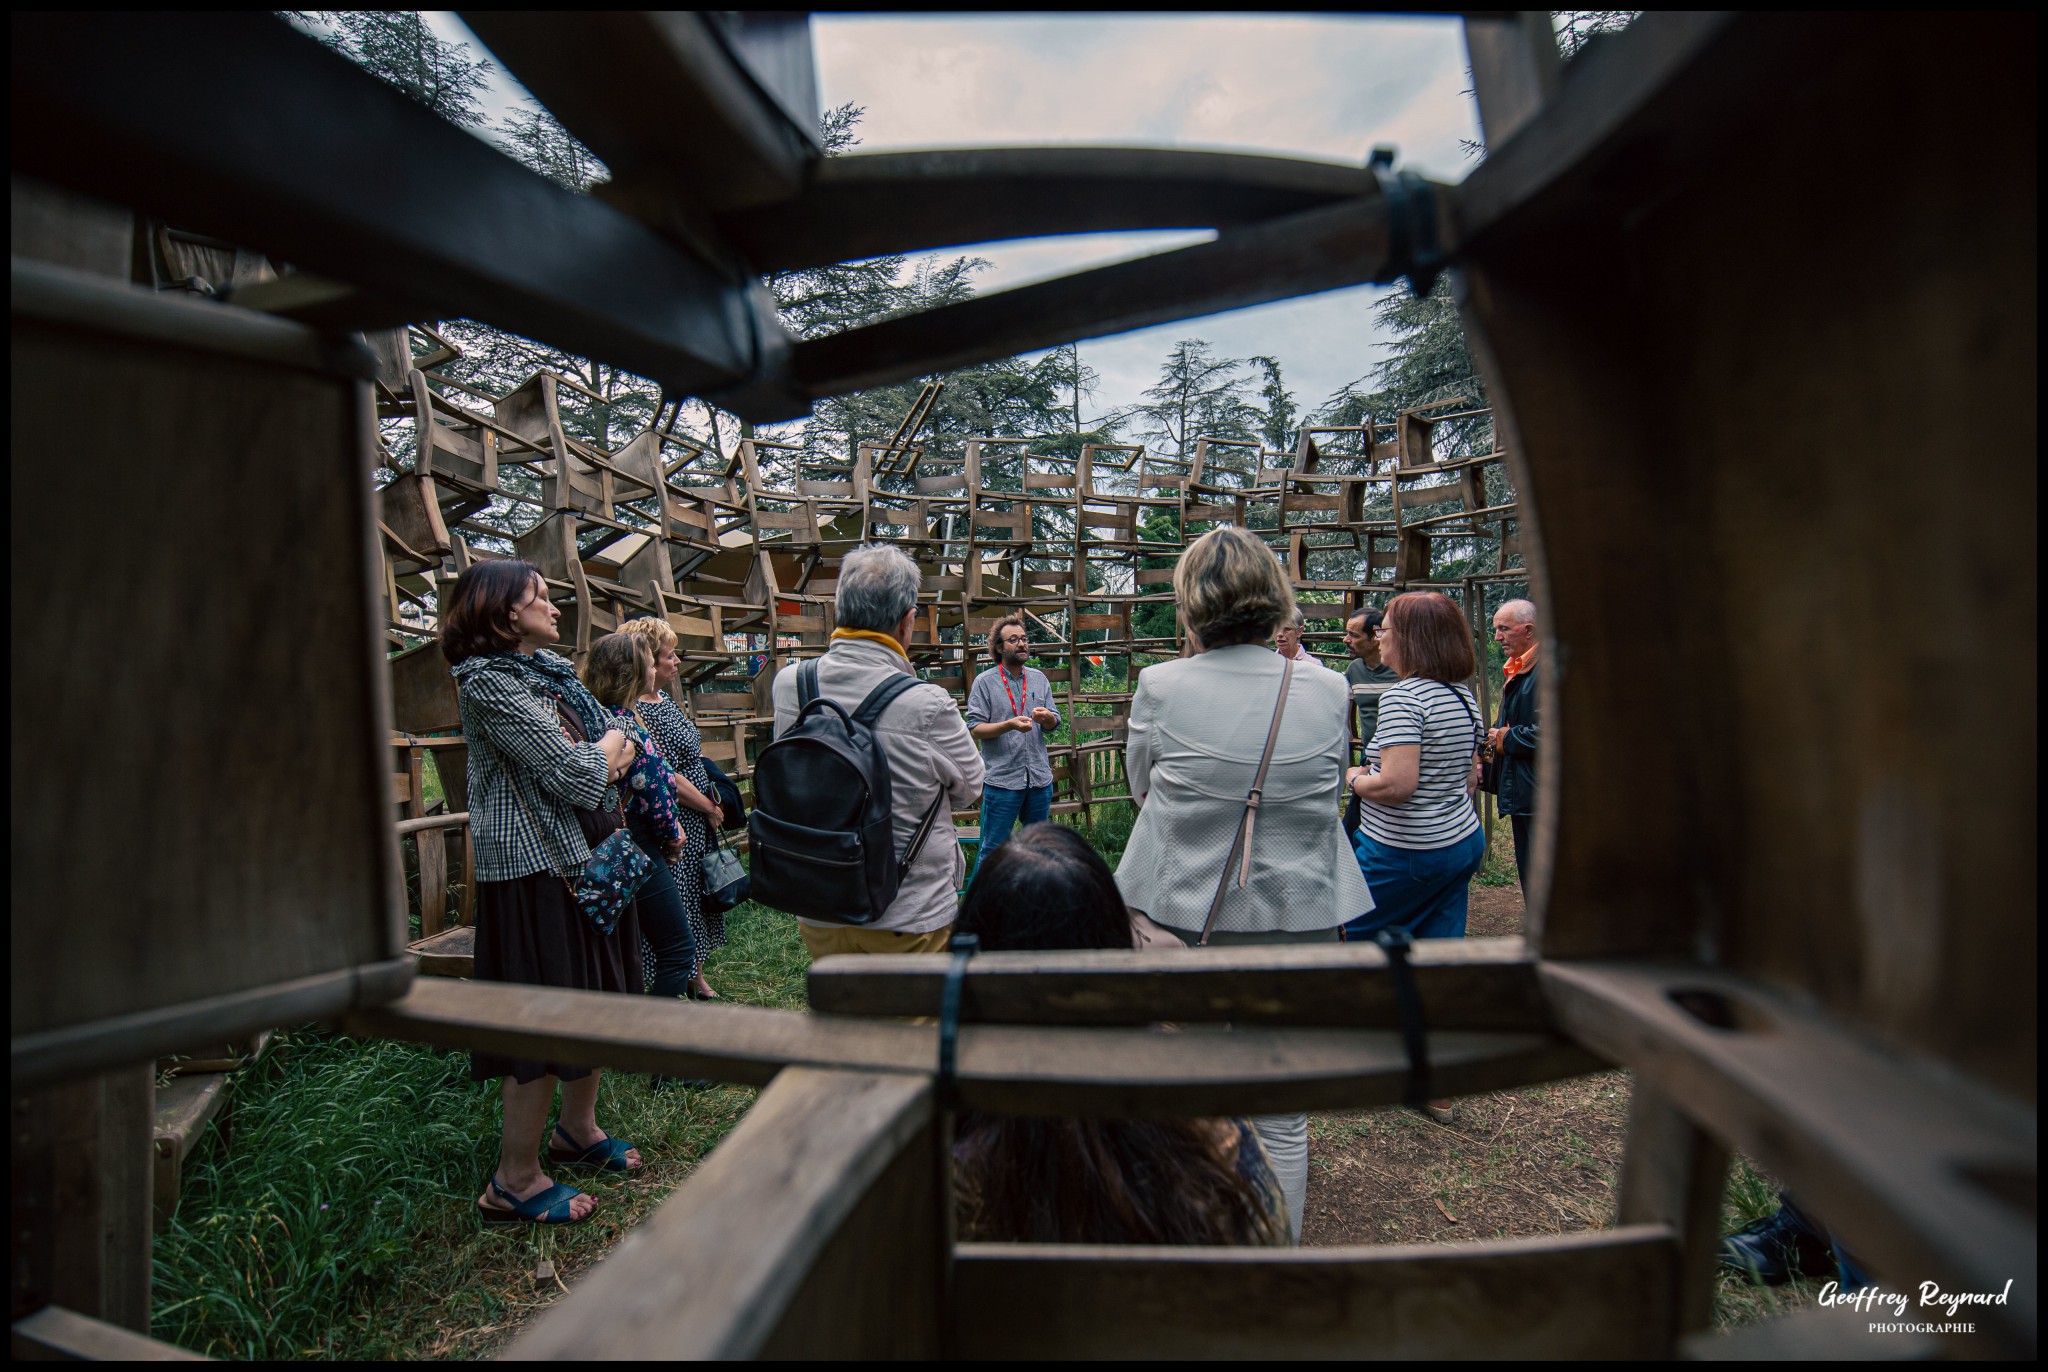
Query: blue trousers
[
  {"x": 1002, "y": 810},
  {"x": 1420, "y": 889},
  {"x": 665, "y": 924}
]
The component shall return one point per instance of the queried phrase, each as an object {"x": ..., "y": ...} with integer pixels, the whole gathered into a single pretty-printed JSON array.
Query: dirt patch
[{"x": 1539, "y": 1160}]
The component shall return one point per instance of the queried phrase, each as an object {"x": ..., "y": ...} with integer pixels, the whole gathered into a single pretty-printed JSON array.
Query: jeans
[
  {"x": 665, "y": 924},
  {"x": 1002, "y": 810},
  {"x": 1423, "y": 890}
]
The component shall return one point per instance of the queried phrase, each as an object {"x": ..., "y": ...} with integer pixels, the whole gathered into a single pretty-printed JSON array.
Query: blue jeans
[
  {"x": 1421, "y": 889},
  {"x": 1002, "y": 810},
  {"x": 665, "y": 924}
]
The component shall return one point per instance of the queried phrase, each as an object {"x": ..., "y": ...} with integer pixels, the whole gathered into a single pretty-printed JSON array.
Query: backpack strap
[
  {"x": 871, "y": 707},
  {"x": 806, "y": 683}
]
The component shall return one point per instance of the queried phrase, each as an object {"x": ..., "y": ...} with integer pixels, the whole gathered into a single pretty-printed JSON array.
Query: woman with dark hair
[
  {"x": 1040, "y": 1180},
  {"x": 617, "y": 669},
  {"x": 1419, "y": 839},
  {"x": 542, "y": 757}
]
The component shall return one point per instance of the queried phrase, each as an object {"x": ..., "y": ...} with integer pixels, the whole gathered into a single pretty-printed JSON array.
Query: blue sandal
[
  {"x": 606, "y": 1155},
  {"x": 546, "y": 1207}
]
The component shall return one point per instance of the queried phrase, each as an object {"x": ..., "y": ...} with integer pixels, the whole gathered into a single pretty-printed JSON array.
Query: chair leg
[{"x": 1673, "y": 1173}]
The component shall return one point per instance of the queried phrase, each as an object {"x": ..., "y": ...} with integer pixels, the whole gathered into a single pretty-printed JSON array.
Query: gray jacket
[{"x": 928, "y": 748}]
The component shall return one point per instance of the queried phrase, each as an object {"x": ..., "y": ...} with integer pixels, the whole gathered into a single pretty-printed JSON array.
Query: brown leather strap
[{"x": 1241, "y": 846}]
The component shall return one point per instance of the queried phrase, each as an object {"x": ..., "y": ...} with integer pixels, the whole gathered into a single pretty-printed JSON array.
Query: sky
[{"x": 1316, "y": 86}]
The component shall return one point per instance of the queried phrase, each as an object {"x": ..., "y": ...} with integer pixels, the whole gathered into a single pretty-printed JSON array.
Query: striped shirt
[
  {"x": 526, "y": 778},
  {"x": 1444, "y": 720}
]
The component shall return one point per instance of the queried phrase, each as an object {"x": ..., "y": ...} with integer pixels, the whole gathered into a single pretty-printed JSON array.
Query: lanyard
[{"x": 1016, "y": 707}]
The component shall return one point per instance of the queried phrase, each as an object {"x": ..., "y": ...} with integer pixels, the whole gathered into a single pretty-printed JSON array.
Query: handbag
[
  {"x": 1241, "y": 846},
  {"x": 614, "y": 874},
  {"x": 725, "y": 881}
]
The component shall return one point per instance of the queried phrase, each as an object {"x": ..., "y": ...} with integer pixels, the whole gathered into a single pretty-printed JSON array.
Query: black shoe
[{"x": 1773, "y": 1250}]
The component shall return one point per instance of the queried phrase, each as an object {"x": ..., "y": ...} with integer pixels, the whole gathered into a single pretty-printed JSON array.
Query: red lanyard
[{"x": 1016, "y": 706}]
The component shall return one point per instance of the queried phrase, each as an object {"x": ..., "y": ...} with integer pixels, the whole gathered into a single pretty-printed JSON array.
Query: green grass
[
  {"x": 340, "y": 1222},
  {"x": 1498, "y": 866}
]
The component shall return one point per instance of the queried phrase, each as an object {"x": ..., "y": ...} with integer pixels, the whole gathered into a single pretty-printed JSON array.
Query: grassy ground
[{"x": 340, "y": 1224}]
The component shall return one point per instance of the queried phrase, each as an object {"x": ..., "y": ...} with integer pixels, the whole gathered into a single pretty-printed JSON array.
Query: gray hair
[
  {"x": 878, "y": 585},
  {"x": 1520, "y": 611},
  {"x": 1300, "y": 620}
]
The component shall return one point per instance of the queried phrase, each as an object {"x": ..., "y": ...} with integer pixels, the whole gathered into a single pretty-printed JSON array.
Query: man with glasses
[
  {"x": 1512, "y": 740},
  {"x": 1368, "y": 675},
  {"x": 1008, "y": 712}
]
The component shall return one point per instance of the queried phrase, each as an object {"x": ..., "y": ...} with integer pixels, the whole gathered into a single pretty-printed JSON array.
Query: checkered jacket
[{"x": 525, "y": 775}]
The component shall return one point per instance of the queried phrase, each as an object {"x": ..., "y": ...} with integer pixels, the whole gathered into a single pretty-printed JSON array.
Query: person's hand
[
  {"x": 1493, "y": 738},
  {"x": 673, "y": 851},
  {"x": 1022, "y": 724},
  {"x": 618, "y": 753},
  {"x": 1046, "y": 718}
]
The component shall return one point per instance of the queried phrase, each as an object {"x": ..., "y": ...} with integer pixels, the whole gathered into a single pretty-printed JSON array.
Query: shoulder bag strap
[
  {"x": 1478, "y": 734},
  {"x": 1241, "y": 846},
  {"x": 539, "y": 833}
]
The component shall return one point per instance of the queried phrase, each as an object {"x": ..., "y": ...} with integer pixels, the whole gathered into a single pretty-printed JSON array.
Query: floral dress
[
  {"x": 655, "y": 818},
  {"x": 683, "y": 747}
]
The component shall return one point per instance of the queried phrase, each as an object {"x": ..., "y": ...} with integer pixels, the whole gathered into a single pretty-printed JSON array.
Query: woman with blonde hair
[
  {"x": 1206, "y": 729},
  {"x": 682, "y": 747},
  {"x": 617, "y": 669}
]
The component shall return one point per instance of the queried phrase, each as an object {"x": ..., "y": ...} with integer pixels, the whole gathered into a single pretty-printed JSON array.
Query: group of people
[{"x": 557, "y": 766}]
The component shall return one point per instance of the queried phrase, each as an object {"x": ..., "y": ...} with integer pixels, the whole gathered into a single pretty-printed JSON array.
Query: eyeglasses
[{"x": 1384, "y": 631}]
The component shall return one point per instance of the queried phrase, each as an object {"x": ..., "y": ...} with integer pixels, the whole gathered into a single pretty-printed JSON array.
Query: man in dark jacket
[{"x": 1513, "y": 738}]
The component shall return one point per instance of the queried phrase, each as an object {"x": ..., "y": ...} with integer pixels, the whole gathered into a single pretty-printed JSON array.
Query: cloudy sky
[{"x": 1313, "y": 86}]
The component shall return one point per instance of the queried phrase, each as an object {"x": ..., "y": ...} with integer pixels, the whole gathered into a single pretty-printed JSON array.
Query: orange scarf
[
  {"x": 871, "y": 636},
  {"x": 1515, "y": 666}
]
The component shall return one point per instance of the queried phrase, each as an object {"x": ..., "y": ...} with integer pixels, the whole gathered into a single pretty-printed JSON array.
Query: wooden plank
[
  {"x": 1465, "y": 984},
  {"x": 54, "y": 1334},
  {"x": 80, "y": 1164},
  {"x": 792, "y": 1239},
  {"x": 1831, "y": 1334},
  {"x": 1924, "y": 1174},
  {"x": 1113, "y": 1072},
  {"x": 1673, "y": 1173},
  {"x": 259, "y": 874},
  {"x": 1594, "y": 1295},
  {"x": 450, "y": 953},
  {"x": 183, "y": 1110},
  {"x": 1515, "y": 68}
]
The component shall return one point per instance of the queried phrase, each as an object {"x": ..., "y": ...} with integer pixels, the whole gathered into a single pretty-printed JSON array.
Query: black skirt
[{"x": 529, "y": 931}]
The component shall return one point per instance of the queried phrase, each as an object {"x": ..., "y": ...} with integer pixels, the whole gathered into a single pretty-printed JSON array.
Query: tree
[
  {"x": 1198, "y": 395},
  {"x": 397, "y": 46},
  {"x": 1276, "y": 423},
  {"x": 536, "y": 139}
]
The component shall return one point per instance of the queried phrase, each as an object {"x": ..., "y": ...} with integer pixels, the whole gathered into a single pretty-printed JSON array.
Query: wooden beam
[
  {"x": 812, "y": 1230},
  {"x": 54, "y": 1334},
  {"x": 1515, "y": 68},
  {"x": 1004, "y": 1069},
  {"x": 1595, "y": 1295},
  {"x": 1673, "y": 1173},
  {"x": 1923, "y": 1174},
  {"x": 1465, "y": 984}
]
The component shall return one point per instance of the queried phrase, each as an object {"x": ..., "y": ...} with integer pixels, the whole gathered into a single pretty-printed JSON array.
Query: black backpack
[{"x": 822, "y": 832}]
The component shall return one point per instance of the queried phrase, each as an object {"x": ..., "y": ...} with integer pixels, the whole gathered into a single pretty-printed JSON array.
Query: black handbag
[
  {"x": 1489, "y": 774},
  {"x": 725, "y": 881}
]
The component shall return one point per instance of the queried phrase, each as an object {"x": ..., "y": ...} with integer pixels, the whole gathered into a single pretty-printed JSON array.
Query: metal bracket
[{"x": 1412, "y": 247}]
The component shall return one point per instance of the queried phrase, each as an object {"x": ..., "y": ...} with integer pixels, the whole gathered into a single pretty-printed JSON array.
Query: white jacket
[
  {"x": 1197, "y": 728},
  {"x": 928, "y": 747}
]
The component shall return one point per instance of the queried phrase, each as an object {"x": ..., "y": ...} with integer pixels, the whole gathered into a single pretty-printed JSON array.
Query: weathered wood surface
[
  {"x": 1595, "y": 1295},
  {"x": 450, "y": 953},
  {"x": 257, "y": 873},
  {"x": 54, "y": 1334},
  {"x": 183, "y": 1110},
  {"x": 1849, "y": 826},
  {"x": 1673, "y": 1174},
  {"x": 1006, "y": 1069},
  {"x": 811, "y": 1230},
  {"x": 1829, "y": 1334},
  {"x": 1464, "y": 984},
  {"x": 79, "y": 1217},
  {"x": 1923, "y": 1174}
]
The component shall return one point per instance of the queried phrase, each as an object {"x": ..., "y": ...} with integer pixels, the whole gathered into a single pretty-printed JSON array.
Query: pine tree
[
  {"x": 1198, "y": 395},
  {"x": 397, "y": 46},
  {"x": 1276, "y": 423}
]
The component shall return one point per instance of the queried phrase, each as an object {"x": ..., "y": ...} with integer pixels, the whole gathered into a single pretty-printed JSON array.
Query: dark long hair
[
  {"x": 473, "y": 617},
  {"x": 1039, "y": 1180}
]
